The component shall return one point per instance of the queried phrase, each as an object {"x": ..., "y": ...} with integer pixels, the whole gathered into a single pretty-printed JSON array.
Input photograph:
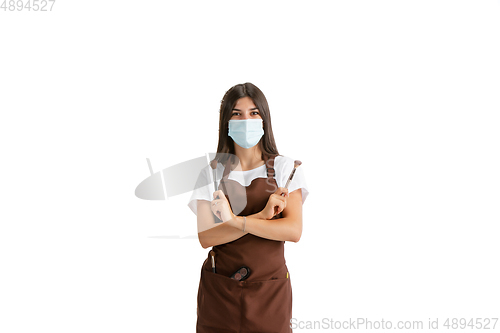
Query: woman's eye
[
  {"x": 255, "y": 113},
  {"x": 235, "y": 113}
]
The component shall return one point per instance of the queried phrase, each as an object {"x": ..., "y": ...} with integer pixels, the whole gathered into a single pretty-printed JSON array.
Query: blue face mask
[{"x": 246, "y": 132}]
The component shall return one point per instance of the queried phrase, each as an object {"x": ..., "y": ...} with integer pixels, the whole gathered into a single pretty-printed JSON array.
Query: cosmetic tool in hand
[
  {"x": 213, "y": 165},
  {"x": 296, "y": 164}
]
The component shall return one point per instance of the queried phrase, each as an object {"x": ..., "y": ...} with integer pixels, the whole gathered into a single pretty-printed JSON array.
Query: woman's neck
[{"x": 250, "y": 158}]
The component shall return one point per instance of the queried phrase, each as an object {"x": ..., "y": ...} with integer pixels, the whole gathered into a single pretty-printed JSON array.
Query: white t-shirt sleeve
[
  {"x": 202, "y": 192},
  {"x": 285, "y": 166}
]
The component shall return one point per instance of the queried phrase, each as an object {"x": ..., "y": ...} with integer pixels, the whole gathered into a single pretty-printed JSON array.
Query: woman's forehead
[{"x": 244, "y": 102}]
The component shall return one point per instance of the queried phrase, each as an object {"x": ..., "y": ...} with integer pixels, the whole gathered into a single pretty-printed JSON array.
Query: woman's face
[{"x": 245, "y": 109}]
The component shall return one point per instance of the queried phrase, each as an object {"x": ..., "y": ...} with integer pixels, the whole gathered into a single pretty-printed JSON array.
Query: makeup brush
[
  {"x": 212, "y": 253},
  {"x": 213, "y": 165},
  {"x": 296, "y": 164}
]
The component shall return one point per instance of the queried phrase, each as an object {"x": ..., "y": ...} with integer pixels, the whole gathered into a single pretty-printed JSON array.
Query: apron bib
[{"x": 261, "y": 303}]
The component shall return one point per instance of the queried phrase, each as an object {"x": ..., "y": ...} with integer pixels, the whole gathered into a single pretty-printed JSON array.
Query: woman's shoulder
[
  {"x": 281, "y": 160},
  {"x": 283, "y": 164}
]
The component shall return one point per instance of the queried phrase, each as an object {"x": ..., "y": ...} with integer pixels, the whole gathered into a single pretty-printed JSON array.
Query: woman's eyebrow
[{"x": 250, "y": 109}]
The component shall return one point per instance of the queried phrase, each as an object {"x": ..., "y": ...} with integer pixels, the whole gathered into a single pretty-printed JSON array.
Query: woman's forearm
[
  {"x": 283, "y": 229},
  {"x": 221, "y": 234}
]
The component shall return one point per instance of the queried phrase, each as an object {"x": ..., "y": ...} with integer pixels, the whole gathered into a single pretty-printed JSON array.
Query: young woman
[{"x": 246, "y": 221}]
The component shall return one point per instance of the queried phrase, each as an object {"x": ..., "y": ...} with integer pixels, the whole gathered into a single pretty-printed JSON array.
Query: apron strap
[
  {"x": 270, "y": 175},
  {"x": 270, "y": 167},
  {"x": 227, "y": 168}
]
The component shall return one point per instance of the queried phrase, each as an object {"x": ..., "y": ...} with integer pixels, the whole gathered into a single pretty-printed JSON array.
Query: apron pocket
[
  {"x": 219, "y": 302},
  {"x": 267, "y": 306}
]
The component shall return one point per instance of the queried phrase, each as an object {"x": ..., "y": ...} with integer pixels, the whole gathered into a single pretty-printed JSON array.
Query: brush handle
[
  {"x": 214, "y": 176},
  {"x": 289, "y": 180},
  {"x": 213, "y": 260},
  {"x": 217, "y": 220}
]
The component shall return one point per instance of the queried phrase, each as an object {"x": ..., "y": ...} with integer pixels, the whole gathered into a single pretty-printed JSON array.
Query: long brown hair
[{"x": 226, "y": 144}]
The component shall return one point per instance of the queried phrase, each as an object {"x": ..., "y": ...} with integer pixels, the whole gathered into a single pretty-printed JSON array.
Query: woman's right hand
[
  {"x": 221, "y": 207},
  {"x": 275, "y": 204}
]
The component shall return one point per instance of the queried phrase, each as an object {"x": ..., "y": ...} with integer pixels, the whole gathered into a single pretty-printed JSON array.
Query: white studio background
[{"x": 392, "y": 106}]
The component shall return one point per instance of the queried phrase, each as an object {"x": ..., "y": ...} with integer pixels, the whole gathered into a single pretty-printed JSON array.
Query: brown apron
[{"x": 261, "y": 303}]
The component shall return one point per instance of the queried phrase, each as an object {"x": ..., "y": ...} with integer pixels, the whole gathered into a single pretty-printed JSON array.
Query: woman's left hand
[
  {"x": 221, "y": 208},
  {"x": 275, "y": 204}
]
